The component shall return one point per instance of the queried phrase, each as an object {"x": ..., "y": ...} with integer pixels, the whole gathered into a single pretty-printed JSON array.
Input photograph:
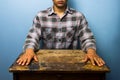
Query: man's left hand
[{"x": 94, "y": 58}]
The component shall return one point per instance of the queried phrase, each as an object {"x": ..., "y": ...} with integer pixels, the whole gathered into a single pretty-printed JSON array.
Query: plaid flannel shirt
[{"x": 60, "y": 33}]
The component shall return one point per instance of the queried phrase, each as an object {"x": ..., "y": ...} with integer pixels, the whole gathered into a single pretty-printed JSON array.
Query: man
[{"x": 60, "y": 27}]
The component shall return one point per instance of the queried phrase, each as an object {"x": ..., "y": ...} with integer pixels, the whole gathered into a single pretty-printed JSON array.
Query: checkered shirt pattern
[{"x": 60, "y": 33}]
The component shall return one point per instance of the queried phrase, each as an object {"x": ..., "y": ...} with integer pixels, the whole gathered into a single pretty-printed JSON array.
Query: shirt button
[
  {"x": 60, "y": 40},
  {"x": 60, "y": 30}
]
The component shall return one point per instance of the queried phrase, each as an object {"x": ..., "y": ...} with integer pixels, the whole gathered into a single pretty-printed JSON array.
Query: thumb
[
  {"x": 85, "y": 59},
  {"x": 35, "y": 58}
]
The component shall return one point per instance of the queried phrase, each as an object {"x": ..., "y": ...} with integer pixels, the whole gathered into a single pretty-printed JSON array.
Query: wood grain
[{"x": 59, "y": 60}]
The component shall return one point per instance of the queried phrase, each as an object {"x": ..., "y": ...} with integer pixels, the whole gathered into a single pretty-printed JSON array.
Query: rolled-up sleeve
[{"x": 34, "y": 35}]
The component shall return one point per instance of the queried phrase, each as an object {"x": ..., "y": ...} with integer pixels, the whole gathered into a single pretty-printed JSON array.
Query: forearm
[
  {"x": 87, "y": 39},
  {"x": 32, "y": 41},
  {"x": 86, "y": 36},
  {"x": 88, "y": 44},
  {"x": 34, "y": 36}
]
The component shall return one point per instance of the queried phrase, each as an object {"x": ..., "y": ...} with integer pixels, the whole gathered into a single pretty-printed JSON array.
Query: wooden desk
[{"x": 59, "y": 65}]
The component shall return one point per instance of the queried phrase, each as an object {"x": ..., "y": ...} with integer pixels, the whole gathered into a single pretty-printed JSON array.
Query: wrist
[
  {"x": 91, "y": 50},
  {"x": 29, "y": 50}
]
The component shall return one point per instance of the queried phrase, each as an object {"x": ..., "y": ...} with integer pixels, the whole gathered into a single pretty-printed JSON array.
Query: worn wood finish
[{"x": 59, "y": 64}]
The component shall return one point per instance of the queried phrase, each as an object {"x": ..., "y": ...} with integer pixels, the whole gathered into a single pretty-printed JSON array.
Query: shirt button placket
[
  {"x": 59, "y": 31},
  {"x": 60, "y": 26}
]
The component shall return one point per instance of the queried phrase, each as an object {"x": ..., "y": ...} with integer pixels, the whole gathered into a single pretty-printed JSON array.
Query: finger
[
  {"x": 28, "y": 61},
  {"x": 19, "y": 61},
  {"x": 24, "y": 61},
  {"x": 85, "y": 59},
  {"x": 97, "y": 61},
  {"x": 101, "y": 62},
  {"x": 35, "y": 58},
  {"x": 92, "y": 61}
]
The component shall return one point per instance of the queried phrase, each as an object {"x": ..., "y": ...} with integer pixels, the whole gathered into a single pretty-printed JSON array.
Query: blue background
[{"x": 16, "y": 19}]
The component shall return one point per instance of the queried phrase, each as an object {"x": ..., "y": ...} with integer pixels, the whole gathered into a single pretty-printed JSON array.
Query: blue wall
[{"x": 16, "y": 18}]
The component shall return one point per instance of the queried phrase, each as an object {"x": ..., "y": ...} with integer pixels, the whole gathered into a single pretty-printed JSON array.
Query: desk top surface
[{"x": 59, "y": 61}]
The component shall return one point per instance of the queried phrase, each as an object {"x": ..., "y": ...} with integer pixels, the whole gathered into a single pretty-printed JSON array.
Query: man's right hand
[{"x": 27, "y": 57}]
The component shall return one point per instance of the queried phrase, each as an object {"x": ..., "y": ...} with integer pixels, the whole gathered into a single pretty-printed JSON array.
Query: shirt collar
[{"x": 51, "y": 11}]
